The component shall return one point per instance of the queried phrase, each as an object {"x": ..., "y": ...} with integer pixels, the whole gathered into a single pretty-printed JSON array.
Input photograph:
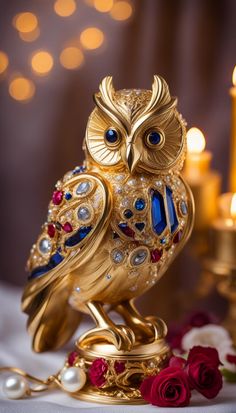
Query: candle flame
[
  {"x": 195, "y": 141},
  {"x": 234, "y": 76},
  {"x": 233, "y": 207}
]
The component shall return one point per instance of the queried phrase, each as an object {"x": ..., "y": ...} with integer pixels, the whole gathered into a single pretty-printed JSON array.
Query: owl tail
[{"x": 52, "y": 321}]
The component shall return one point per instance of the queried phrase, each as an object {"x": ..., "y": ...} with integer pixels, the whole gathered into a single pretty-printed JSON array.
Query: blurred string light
[
  {"x": 64, "y": 8},
  {"x": 25, "y": 22},
  {"x": 30, "y": 36},
  {"x": 27, "y": 26},
  {"x": 21, "y": 89},
  {"x": 4, "y": 62},
  {"x": 42, "y": 62},
  {"x": 71, "y": 57},
  {"x": 103, "y": 6},
  {"x": 121, "y": 10},
  {"x": 92, "y": 38}
]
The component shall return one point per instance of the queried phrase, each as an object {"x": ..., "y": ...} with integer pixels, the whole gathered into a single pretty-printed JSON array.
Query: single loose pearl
[
  {"x": 73, "y": 379},
  {"x": 15, "y": 387}
]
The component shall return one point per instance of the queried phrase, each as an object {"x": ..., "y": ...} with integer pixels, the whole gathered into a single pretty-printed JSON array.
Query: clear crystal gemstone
[
  {"x": 118, "y": 189},
  {"x": 108, "y": 276},
  {"x": 83, "y": 188},
  {"x": 158, "y": 183},
  {"x": 125, "y": 202},
  {"x": 118, "y": 256},
  {"x": 45, "y": 245},
  {"x": 84, "y": 214},
  {"x": 119, "y": 177},
  {"x": 183, "y": 207},
  {"x": 77, "y": 289},
  {"x": 132, "y": 182},
  {"x": 139, "y": 257}
]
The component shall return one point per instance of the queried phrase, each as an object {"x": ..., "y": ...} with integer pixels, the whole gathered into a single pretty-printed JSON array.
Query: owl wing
[{"x": 78, "y": 219}]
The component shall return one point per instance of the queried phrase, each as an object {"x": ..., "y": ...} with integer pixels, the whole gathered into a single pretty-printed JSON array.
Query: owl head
[{"x": 140, "y": 130}]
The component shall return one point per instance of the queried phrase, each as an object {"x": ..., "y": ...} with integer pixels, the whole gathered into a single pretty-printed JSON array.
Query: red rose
[
  {"x": 231, "y": 358},
  {"x": 169, "y": 388},
  {"x": 97, "y": 372},
  {"x": 198, "y": 352},
  {"x": 203, "y": 373}
]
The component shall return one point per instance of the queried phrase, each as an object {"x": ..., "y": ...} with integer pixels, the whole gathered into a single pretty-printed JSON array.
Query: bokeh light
[
  {"x": 92, "y": 38},
  {"x": 103, "y": 5},
  {"x": 195, "y": 140},
  {"x": 64, "y": 8},
  {"x": 234, "y": 76},
  {"x": 42, "y": 62},
  {"x": 4, "y": 61},
  {"x": 21, "y": 89},
  {"x": 30, "y": 36},
  {"x": 71, "y": 57},
  {"x": 121, "y": 10},
  {"x": 25, "y": 22}
]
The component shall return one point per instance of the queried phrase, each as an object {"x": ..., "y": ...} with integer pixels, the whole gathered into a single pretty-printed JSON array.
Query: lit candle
[
  {"x": 204, "y": 182},
  {"x": 232, "y": 176},
  {"x": 223, "y": 232},
  {"x": 222, "y": 256}
]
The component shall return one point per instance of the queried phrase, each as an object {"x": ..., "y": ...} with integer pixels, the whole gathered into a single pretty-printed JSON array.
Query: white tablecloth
[{"x": 15, "y": 351}]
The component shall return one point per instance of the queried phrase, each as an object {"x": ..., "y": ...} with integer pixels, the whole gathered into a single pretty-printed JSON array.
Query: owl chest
[{"x": 149, "y": 216}]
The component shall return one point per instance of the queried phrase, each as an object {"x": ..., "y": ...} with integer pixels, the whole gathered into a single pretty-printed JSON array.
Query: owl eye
[
  {"x": 155, "y": 139},
  {"x": 112, "y": 137}
]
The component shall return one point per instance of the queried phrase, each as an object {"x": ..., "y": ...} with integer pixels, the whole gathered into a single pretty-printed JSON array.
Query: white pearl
[
  {"x": 73, "y": 379},
  {"x": 15, "y": 387}
]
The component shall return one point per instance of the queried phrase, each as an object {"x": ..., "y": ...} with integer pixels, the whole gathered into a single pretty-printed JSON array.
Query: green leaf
[{"x": 230, "y": 376}]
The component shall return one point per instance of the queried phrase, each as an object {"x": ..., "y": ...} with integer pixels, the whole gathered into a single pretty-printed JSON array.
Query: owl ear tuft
[{"x": 161, "y": 98}]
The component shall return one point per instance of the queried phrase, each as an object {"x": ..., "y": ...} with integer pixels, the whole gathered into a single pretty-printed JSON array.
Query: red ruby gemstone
[
  {"x": 51, "y": 230},
  {"x": 156, "y": 255},
  {"x": 119, "y": 366},
  {"x": 67, "y": 227},
  {"x": 128, "y": 231},
  {"x": 72, "y": 358},
  {"x": 177, "y": 237},
  {"x": 57, "y": 197}
]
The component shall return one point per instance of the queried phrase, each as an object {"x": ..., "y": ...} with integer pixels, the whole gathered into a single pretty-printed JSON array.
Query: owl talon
[
  {"x": 122, "y": 337},
  {"x": 158, "y": 325}
]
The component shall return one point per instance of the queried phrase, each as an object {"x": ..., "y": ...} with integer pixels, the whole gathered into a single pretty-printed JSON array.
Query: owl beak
[{"x": 132, "y": 157}]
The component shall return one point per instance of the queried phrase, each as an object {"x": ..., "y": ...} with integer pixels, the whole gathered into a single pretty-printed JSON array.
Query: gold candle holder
[
  {"x": 205, "y": 184},
  {"x": 232, "y": 177},
  {"x": 222, "y": 257}
]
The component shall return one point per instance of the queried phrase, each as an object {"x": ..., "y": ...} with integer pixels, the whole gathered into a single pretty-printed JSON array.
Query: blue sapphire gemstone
[
  {"x": 55, "y": 259},
  {"x": 139, "y": 204},
  {"x": 78, "y": 236},
  {"x": 37, "y": 272},
  {"x": 128, "y": 213},
  {"x": 154, "y": 138},
  {"x": 171, "y": 210},
  {"x": 79, "y": 169},
  {"x": 68, "y": 196},
  {"x": 158, "y": 212},
  {"x": 140, "y": 225},
  {"x": 111, "y": 136}
]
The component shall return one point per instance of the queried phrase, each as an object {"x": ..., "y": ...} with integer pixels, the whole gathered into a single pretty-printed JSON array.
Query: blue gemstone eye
[
  {"x": 154, "y": 138},
  {"x": 111, "y": 136}
]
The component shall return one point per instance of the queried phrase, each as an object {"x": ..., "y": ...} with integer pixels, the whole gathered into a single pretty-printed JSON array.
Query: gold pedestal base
[{"x": 122, "y": 384}]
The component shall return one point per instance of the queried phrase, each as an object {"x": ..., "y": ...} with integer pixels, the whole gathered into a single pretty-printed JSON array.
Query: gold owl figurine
[{"x": 114, "y": 225}]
